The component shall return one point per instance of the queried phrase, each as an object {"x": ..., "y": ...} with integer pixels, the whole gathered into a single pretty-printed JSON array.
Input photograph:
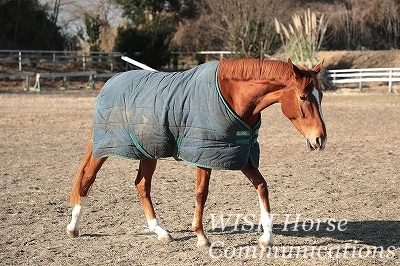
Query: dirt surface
[{"x": 352, "y": 188}]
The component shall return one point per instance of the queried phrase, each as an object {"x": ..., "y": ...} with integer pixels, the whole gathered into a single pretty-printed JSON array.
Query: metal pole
[{"x": 136, "y": 63}]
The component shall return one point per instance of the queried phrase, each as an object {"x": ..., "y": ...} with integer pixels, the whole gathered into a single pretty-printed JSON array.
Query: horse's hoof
[
  {"x": 203, "y": 245},
  {"x": 165, "y": 238},
  {"x": 72, "y": 233},
  {"x": 265, "y": 242}
]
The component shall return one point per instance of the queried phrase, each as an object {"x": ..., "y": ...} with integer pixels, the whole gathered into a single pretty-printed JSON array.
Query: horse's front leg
[
  {"x": 143, "y": 185},
  {"x": 202, "y": 184},
  {"x": 260, "y": 184}
]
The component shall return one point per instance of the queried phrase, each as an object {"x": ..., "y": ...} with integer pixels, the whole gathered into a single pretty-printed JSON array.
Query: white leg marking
[
  {"x": 73, "y": 226},
  {"x": 267, "y": 222},
  {"x": 155, "y": 227},
  {"x": 315, "y": 92}
]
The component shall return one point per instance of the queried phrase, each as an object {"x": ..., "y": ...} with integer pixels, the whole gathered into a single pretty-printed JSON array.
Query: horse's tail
[{"x": 77, "y": 191}]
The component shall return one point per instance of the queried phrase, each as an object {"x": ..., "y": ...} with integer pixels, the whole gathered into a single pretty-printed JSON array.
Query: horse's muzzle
[{"x": 316, "y": 145}]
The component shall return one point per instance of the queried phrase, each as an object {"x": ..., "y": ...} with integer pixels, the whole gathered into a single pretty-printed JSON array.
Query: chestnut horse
[{"x": 246, "y": 86}]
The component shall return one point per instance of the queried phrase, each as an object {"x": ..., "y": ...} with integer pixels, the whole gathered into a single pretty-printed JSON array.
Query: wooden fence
[
  {"x": 26, "y": 75},
  {"x": 55, "y": 60},
  {"x": 92, "y": 75}
]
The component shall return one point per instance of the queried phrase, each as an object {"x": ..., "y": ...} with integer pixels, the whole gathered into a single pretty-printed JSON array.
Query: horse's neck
[{"x": 249, "y": 98}]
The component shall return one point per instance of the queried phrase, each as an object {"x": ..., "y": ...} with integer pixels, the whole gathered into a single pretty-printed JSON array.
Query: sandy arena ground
[{"x": 345, "y": 198}]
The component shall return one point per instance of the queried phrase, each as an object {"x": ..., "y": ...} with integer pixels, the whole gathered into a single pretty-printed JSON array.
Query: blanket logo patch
[{"x": 243, "y": 133}]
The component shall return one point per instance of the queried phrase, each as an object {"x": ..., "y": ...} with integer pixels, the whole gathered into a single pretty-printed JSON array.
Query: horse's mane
[{"x": 246, "y": 69}]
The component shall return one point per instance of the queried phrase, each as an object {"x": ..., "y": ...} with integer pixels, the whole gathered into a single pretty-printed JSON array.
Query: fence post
[
  {"x": 27, "y": 85},
  {"x": 333, "y": 75},
  {"x": 92, "y": 81},
  {"x": 19, "y": 61},
  {"x": 112, "y": 61},
  {"x": 390, "y": 81},
  {"x": 54, "y": 61},
  {"x": 360, "y": 84},
  {"x": 84, "y": 61}
]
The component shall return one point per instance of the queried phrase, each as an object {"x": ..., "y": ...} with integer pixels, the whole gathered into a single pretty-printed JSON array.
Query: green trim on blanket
[
  {"x": 176, "y": 150},
  {"x": 242, "y": 141},
  {"x": 140, "y": 148}
]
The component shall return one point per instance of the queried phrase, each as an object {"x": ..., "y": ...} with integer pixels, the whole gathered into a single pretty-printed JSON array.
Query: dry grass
[{"x": 302, "y": 39}]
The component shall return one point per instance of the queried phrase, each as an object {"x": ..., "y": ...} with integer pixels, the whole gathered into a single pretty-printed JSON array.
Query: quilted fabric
[{"x": 143, "y": 114}]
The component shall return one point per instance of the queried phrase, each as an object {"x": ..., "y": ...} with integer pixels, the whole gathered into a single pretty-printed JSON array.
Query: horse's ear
[
  {"x": 296, "y": 70},
  {"x": 318, "y": 67}
]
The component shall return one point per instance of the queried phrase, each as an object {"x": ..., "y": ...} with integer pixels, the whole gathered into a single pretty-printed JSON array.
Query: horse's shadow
[
  {"x": 374, "y": 233},
  {"x": 95, "y": 235}
]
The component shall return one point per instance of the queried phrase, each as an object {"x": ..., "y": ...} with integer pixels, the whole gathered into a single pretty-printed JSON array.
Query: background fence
[
  {"x": 364, "y": 75},
  {"x": 58, "y": 60},
  {"x": 24, "y": 63}
]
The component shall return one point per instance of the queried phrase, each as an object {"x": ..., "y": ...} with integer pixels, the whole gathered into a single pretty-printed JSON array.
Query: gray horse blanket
[{"x": 143, "y": 114}]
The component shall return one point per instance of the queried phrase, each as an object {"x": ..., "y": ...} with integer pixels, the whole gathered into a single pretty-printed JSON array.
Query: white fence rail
[{"x": 360, "y": 76}]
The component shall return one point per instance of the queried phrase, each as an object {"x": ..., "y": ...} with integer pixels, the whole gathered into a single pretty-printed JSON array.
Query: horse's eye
[{"x": 303, "y": 98}]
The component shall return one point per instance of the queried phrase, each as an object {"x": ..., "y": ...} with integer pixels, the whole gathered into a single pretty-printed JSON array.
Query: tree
[
  {"x": 25, "y": 25},
  {"x": 93, "y": 18},
  {"x": 243, "y": 26},
  {"x": 141, "y": 11},
  {"x": 148, "y": 43},
  {"x": 93, "y": 31},
  {"x": 148, "y": 35},
  {"x": 364, "y": 24}
]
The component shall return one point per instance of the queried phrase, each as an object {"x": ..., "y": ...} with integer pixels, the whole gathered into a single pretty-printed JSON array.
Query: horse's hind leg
[
  {"x": 202, "y": 184},
  {"x": 85, "y": 177},
  {"x": 266, "y": 217},
  {"x": 143, "y": 185}
]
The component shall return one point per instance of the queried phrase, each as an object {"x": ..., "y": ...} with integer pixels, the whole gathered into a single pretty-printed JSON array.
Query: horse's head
[{"x": 301, "y": 104}]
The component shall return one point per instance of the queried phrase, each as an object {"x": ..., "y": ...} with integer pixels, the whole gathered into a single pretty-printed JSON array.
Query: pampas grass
[{"x": 303, "y": 37}]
